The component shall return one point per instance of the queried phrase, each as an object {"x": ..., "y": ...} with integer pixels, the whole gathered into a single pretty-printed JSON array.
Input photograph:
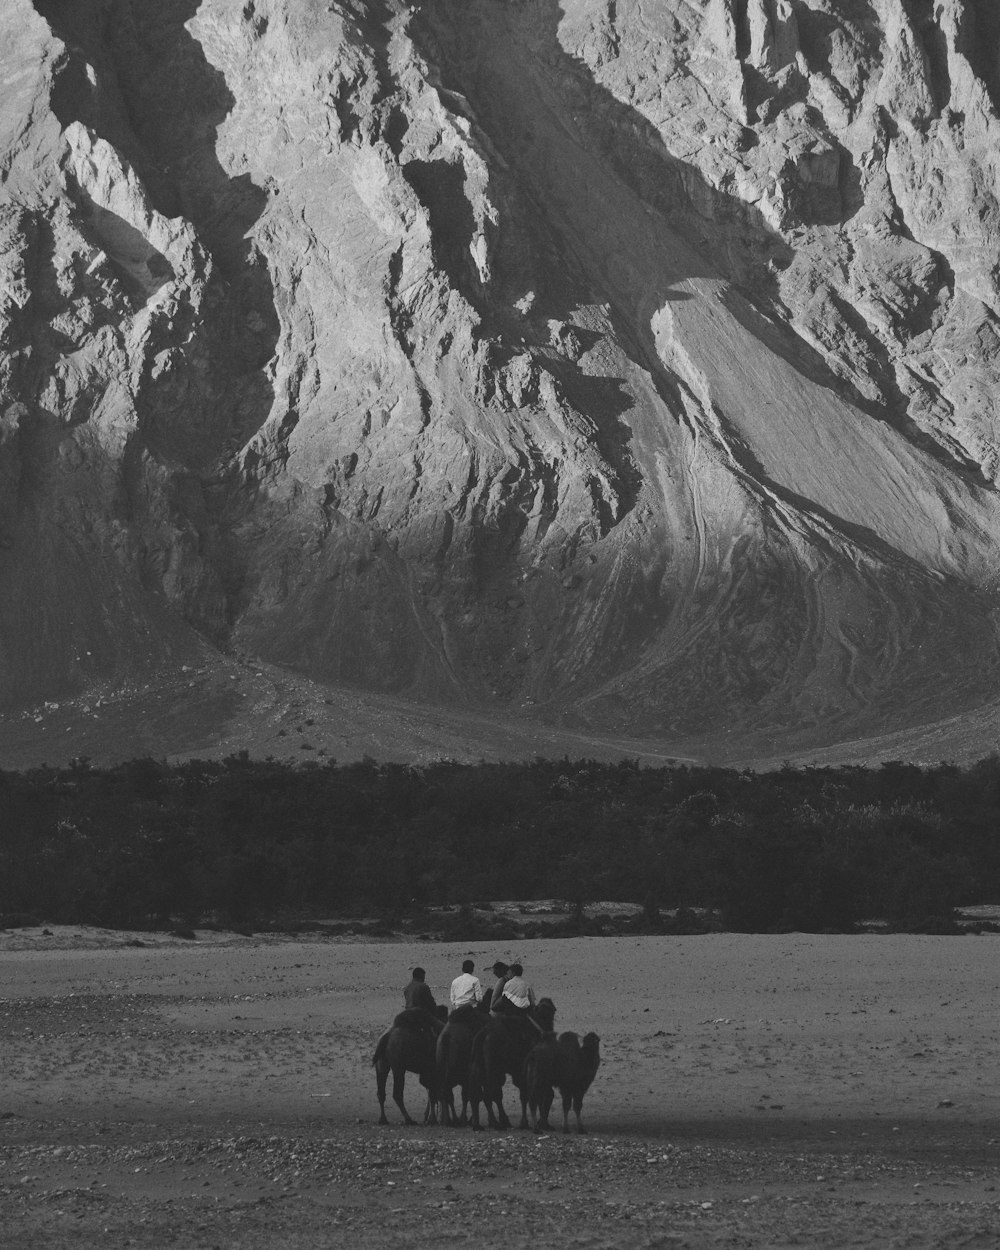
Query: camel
[
  {"x": 408, "y": 1046},
  {"x": 499, "y": 1051},
  {"x": 454, "y": 1056},
  {"x": 566, "y": 1063}
]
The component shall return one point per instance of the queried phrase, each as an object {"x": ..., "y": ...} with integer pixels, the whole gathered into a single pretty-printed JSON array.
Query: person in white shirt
[
  {"x": 516, "y": 995},
  {"x": 466, "y": 990}
]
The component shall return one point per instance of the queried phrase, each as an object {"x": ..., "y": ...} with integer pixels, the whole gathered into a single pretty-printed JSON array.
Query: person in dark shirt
[
  {"x": 418, "y": 993},
  {"x": 501, "y": 972},
  {"x": 420, "y": 1013}
]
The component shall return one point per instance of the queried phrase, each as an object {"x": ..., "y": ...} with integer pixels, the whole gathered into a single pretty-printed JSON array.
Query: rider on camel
[
  {"x": 516, "y": 995},
  {"x": 421, "y": 1012}
]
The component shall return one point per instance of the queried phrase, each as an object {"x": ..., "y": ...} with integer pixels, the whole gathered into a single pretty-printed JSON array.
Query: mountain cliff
[{"x": 630, "y": 366}]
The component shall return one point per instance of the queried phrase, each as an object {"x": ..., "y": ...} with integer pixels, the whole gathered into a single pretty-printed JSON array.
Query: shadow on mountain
[
  {"x": 724, "y": 238},
  {"x": 595, "y": 211},
  {"x": 135, "y": 76}
]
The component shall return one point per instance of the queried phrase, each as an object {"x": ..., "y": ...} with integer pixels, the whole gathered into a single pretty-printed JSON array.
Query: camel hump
[
  {"x": 590, "y": 1055},
  {"x": 410, "y": 1018},
  {"x": 570, "y": 1042},
  {"x": 417, "y": 1020}
]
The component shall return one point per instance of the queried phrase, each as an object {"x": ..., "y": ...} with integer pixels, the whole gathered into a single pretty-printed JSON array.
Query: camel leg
[
  {"x": 500, "y": 1121},
  {"x": 566, "y": 1100},
  {"x": 524, "y": 1110},
  {"x": 398, "y": 1082},
  {"x": 431, "y": 1108},
  {"x": 577, "y": 1108},
  {"x": 459, "y": 1121},
  {"x": 493, "y": 1098},
  {"x": 544, "y": 1107},
  {"x": 381, "y": 1073},
  {"x": 481, "y": 1096},
  {"x": 477, "y": 1096},
  {"x": 479, "y": 1100}
]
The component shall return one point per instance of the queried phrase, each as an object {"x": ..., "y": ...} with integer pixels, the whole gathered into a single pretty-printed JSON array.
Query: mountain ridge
[{"x": 625, "y": 367}]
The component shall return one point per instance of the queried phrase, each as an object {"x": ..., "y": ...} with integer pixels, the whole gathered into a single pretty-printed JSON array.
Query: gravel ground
[
  {"x": 220, "y": 1094},
  {"x": 114, "y": 1184}
]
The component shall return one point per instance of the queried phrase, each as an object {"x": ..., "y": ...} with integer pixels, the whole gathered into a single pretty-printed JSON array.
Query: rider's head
[
  {"x": 418, "y": 974},
  {"x": 516, "y": 970},
  {"x": 468, "y": 965}
]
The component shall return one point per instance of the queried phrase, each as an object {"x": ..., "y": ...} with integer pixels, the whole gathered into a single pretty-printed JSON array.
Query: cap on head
[
  {"x": 499, "y": 968},
  {"x": 418, "y": 974},
  {"x": 468, "y": 965}
]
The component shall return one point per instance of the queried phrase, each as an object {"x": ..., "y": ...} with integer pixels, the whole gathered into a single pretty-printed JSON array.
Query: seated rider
[
  {"x": 418, "y": 992},
  {"x": 516, "y": 995},
  {"x": 466, "y": 990},
  {"x": 501, "y": 972},
  {"x": 421, "y": 1011}
]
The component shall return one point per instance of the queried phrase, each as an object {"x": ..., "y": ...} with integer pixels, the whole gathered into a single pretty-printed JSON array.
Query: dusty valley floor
[{"x": 754, "y": 1092}]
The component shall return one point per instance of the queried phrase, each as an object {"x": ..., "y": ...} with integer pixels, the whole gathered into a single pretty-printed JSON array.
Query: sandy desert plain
[{"x": 755, "y": 1091}]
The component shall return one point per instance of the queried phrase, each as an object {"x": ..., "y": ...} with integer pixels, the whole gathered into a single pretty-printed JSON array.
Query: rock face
[{"x": 633, "y": 364}]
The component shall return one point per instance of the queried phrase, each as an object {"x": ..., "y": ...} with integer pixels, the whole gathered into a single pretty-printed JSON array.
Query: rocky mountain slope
[{"x": 627, "y": 365}]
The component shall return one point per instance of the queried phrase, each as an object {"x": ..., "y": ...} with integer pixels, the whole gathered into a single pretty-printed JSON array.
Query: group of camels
[{"x": 477, "y": 1051}]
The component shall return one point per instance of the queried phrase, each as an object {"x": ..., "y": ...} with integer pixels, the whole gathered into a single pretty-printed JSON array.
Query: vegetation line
[{"x": 251, "y": 842}]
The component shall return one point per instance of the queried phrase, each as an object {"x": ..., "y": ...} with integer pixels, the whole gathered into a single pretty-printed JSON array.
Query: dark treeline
[{"x": 243, "y": 841}]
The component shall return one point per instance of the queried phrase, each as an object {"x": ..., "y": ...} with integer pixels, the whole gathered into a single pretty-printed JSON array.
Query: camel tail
[{"x": 380, "y": 1047}]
